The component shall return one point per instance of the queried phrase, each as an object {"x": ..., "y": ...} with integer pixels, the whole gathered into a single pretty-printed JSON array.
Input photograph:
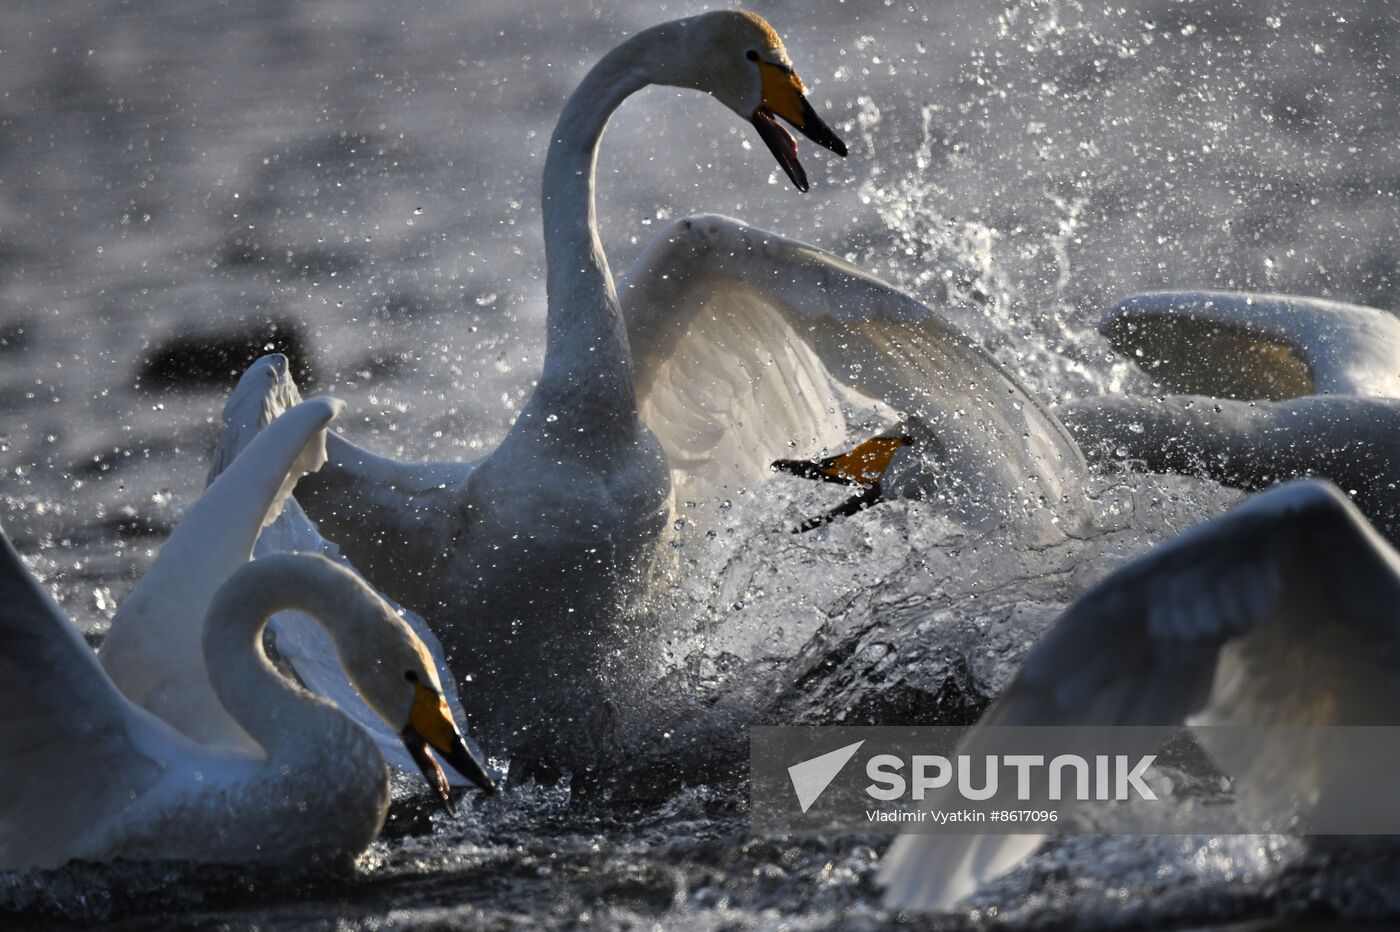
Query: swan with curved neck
[
  {"x": 316, "y": 788},
  {"x": 324, "y": 782},
  {"x": 184, "y": 742},
  {"x": 735, "y": 57},
  {"x": 725, "y": 348},
  {"x": 536, "y": 541}
]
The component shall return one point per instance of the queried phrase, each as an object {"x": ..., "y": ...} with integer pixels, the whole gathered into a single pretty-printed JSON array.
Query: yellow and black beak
[
  {"x": 784, "y": 96},
  {"x": 430, "y": 725},
  {"x": 863, "y": 466}
]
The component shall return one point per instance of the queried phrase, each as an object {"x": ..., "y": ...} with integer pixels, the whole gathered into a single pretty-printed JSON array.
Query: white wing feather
[
  {"x": 750, "y": 347},
  {"x": 74, "y": 753},
  {"x": 260, "y": 400},
  {"x": 1281, "y": 612},
  {"x": 154, "y": 650},
  {"x": 1255, "y": 346}
]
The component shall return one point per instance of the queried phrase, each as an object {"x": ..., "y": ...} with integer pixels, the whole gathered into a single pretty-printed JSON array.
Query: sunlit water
[{"x": 370, "y": 171}]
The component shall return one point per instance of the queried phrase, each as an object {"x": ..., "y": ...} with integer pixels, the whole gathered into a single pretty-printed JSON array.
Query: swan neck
[
  {"x": 586, "y": 345},
  {"x": 285, "y": 719}
]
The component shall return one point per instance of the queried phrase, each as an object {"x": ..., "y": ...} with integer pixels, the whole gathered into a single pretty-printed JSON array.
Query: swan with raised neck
[
  {"x": 735, "y": 57},
  {"x": 522, "y": 560}
]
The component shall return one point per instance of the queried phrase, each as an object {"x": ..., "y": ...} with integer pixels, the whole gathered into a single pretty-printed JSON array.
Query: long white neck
[
  {"x": 588, "y": 362},
  {"x": 292, "y": 726}
]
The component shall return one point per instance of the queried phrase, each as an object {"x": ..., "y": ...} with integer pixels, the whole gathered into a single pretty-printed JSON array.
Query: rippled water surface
[{"x": 367, "y": 173}]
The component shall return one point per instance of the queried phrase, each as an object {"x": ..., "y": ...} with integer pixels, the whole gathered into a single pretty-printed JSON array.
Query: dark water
[{"x": 367, "y": 173}]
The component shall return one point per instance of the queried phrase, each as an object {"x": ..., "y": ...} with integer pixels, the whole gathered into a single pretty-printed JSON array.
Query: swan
[
  {"x": 262, "y": 395},
  {"x": 723, "y": 348},
  {"x": 153, "y": 651},
  {"x": 1257, "y": 346},
  {"x": 1302, "y": 386},
  {"x": 534, "y": 542},
  {"x": 86, "y": 772},
  {"x": 154, "y": 654},
  {"x": 1281, "y": 612}
]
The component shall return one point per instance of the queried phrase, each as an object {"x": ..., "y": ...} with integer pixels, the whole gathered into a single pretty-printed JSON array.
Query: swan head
[
  {"x": 396, "y": 676},
  {"x": 737, "y": 58}
]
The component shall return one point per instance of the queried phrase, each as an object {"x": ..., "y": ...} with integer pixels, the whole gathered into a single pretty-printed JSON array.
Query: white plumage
[
  {"x": 1283, "y": 612},
  {"x": 190, "y": 745}
]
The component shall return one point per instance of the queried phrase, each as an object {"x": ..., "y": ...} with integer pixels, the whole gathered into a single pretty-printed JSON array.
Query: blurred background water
[{"x": 366, "y": 175}]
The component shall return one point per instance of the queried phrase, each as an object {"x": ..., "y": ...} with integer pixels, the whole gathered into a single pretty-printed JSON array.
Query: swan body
[
  {"x": 1212, "y": 628},
  {"x": 87, "y": 772},
  {"x": 537, "y": 541},
  {"x": 1303, "y": 386}
]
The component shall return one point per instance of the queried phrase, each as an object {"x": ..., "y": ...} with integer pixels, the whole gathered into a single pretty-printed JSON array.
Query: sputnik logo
[{"x": 811, "y": 777}]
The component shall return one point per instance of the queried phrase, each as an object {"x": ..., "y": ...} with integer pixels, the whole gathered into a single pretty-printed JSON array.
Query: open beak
[
  {"x": 863, "y": 466},
  {"x": 784, "y": 96},
  {"x": 430, "y": 725}
]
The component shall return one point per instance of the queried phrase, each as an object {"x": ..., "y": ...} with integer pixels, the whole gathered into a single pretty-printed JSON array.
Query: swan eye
[
  {"x": 410, "y": 676},
  {"x": 751, "y": 55}
]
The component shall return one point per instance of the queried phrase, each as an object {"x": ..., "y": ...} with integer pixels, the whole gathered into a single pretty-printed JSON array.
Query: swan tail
[{"x": 1248, "y": 346}]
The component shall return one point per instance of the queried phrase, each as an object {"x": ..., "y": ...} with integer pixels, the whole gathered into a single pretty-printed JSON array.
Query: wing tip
[{"x": 325, "y": 408}]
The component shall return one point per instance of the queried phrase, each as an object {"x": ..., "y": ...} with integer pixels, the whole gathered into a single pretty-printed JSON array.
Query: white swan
[
  {"x": 86, "y": 772},
  {"x": 265, "y": 394},
  {"x": 518, "y": 558},
  {"x": 726, "y": 349},
  {"x": 1303, "y": 386},
  {"x": 153, "y": 651},
  {"x": 1284, "y": 611},
  {"x": 1257, "y": 346}
]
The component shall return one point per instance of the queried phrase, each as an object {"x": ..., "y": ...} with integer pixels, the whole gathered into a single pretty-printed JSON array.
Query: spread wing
[
  {"x": 1216, "y": 627},
  {"x": 73, "y": 751},
  {"x": 262, "y": 397},
  {"x": 154, "y": 651},
  {"x": 1249, "y": 346},
  {"x": 750, "y": 347}
]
